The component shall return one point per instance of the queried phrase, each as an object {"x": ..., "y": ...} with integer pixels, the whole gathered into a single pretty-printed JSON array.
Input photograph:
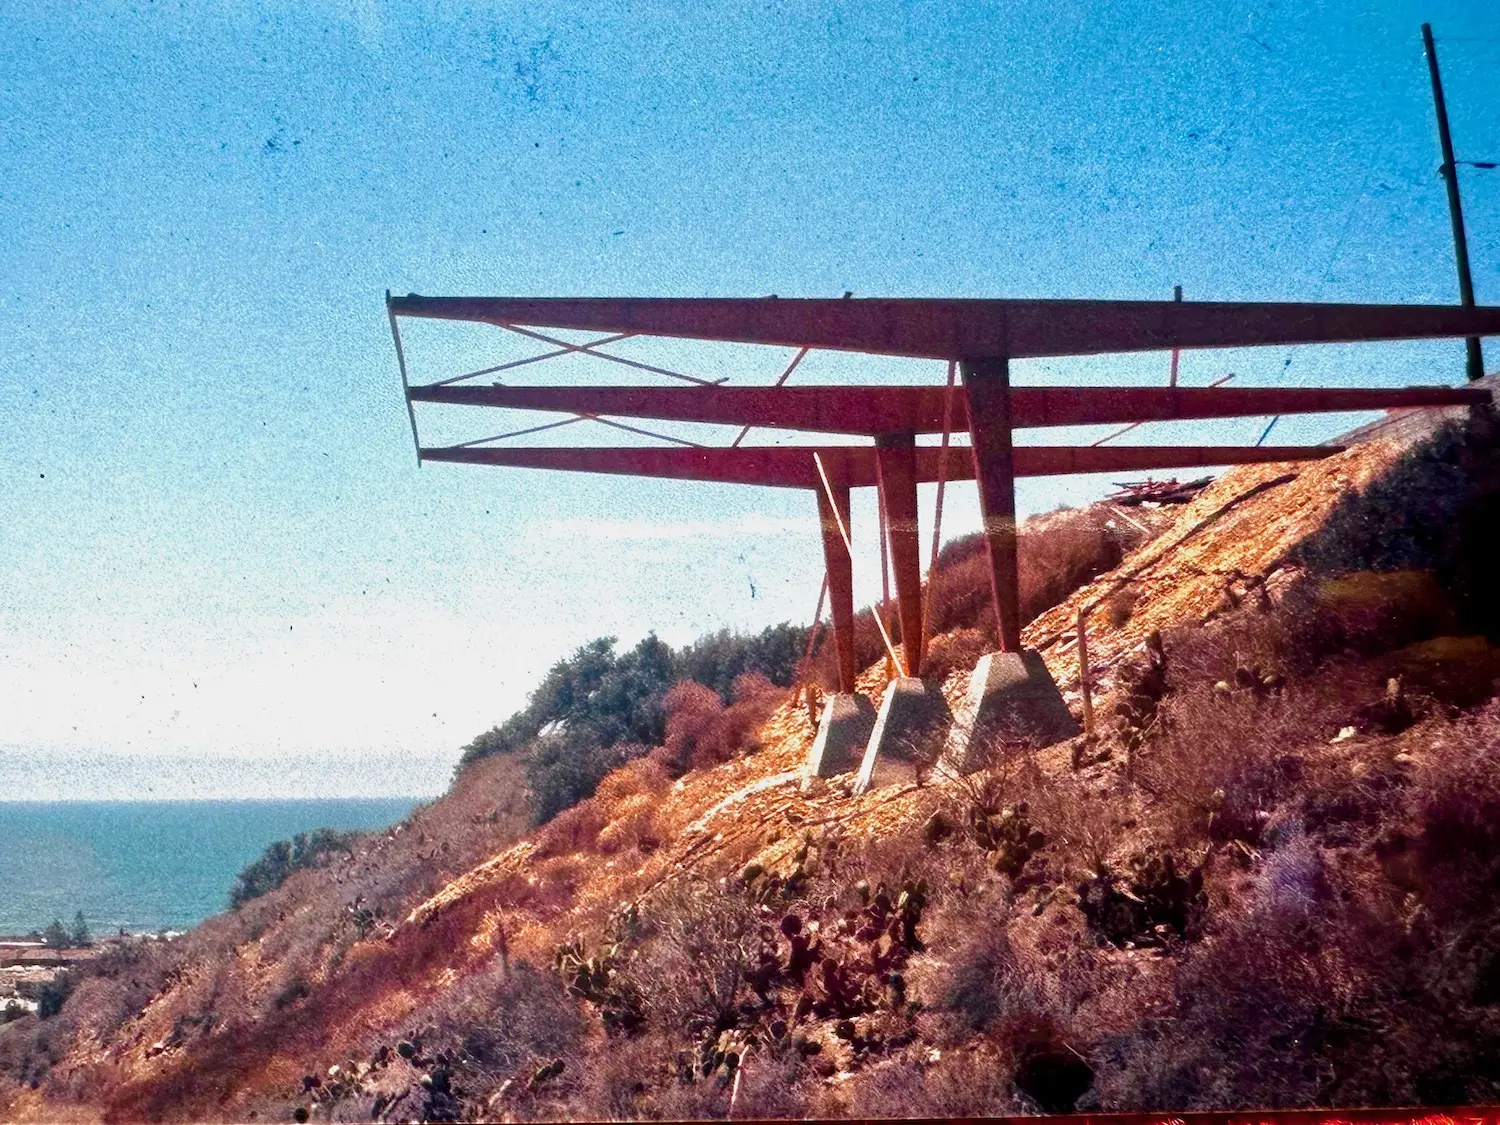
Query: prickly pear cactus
[
  {"x": 595, "y": 978},
  {"x": 1150, "y": 907},
  {"x": 1009, "y": 836}
]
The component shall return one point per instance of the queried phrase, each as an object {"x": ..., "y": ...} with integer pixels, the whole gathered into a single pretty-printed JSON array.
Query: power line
[{"x": 1333, "y": 258}]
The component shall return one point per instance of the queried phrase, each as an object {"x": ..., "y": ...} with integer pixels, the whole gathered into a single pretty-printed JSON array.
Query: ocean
[{"x": 147, "y": 866}]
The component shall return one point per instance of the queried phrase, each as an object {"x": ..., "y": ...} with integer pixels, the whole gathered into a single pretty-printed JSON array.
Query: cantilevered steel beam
[
  {"x": 788, "y": 466},
  {"x": 878, "y": 410},
  {"x": 956, "y": 329}
]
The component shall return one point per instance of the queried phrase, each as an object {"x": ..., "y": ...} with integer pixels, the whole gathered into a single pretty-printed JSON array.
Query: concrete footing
[
  {"x": 847, "y": 721},
  {"x": 1012, "y": 698},
  {"x": 911, "y": 717}
]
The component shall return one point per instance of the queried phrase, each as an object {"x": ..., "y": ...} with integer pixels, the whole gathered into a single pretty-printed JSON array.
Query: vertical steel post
[
  {"x": 883, "y": 614},
  {"x": 1449, "y": 171},
  {"x": 896, "y": 468},
  {"x": 1176, "y": 352},
  {"x": 411, "y": 414},
  {"x": 987, "y": 384},
  {"x": 840, "y": 569}
]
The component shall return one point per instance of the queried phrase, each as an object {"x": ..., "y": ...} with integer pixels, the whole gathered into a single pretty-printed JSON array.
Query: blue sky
[{"x": 217, "y": 551}]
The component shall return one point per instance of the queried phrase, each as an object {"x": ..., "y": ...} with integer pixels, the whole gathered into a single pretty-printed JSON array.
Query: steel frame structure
[{"x": 981, "y": 337}]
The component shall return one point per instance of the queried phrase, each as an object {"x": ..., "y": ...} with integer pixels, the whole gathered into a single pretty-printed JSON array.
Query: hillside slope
[{"x": 1265, "y": 880}]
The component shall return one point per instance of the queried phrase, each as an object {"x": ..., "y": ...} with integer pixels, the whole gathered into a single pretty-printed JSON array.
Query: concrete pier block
[
  {"x": 912, "y": 712},
  {"x": 845, "y": 728},
  {"x": 1013, "y": 698}
]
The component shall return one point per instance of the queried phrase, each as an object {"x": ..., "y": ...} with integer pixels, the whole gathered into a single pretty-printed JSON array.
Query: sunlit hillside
[{"x": 1266, "y": 879}]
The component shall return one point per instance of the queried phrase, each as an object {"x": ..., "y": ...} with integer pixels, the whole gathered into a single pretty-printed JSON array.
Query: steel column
[
  {"x": 896, "y": 466},
  {"x": 987, "y": 387},
  {"x": 840, "y": 568}
]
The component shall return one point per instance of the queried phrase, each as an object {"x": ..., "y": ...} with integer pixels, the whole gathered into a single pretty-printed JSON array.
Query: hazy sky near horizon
[{"x": 216, "y": 546}]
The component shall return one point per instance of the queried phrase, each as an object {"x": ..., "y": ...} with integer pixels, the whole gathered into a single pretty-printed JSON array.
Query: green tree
[
  {"x": 283, "y": 857},
  {"x": 80, "y": 935},
  {"x": 716, "y": 659},
  {"x": 599, "y": 708},
  {"x": 56, "y": 935},
  {"x": 52, "y": 995},
  {"x": 567, "y": 765}
]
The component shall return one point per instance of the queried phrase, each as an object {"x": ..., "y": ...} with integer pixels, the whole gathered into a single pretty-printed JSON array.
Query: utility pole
[{"x": 1455, "y": 206}]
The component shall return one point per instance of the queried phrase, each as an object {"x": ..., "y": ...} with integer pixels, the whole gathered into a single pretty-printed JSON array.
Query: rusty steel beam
[
  {"x": 954, "y": 329},
  {"x": 877, "y": 410},
  {"x": 896, "y": 476},
  {"x": 775, "y": 466},
  {"x": 787, "y": 466},
  {"x": 1064, "y": 460},
  {"x": 840, "y": 570},
  {"x": 987, "y": 388}
]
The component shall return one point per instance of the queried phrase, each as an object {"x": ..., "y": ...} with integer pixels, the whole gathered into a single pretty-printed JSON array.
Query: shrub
[
  {"x": 528, "y": 1019},
  {"x": 1456, "y": 800},
  {"x": 1221, "y": 764},
  {"x": 1063, "y": 554},
  {"x": 53, "y": 994},
  {"x": 690, "y": 968},
  {"x": 631, "y": 826},
  {"x": 971, "y": 1084},
  {"x": 957, "y": 651},
  {"x": 1057, "y": 554},
  {"x": 639, "y": 776},
  {"x": 1318, "y": 619},
  {"x": 983, "y": 983},
  {"x": 566, "y": 765},
  {"x": 1275, "y": 1013},
  {"x": 693, "y": 716},
  {"x": 701, "y": 731},
  {"x": 1119, "y": 606},
  {"x": 573, "y": 831},
  {"x": 1438, "y": 509},
  {"x": 283, "y": 857},
  {"x": 619, "y": 697},
  {"x": 719, "y": 659}
]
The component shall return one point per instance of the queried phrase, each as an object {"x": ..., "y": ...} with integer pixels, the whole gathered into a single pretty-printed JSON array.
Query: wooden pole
[
  {"x": 1084, "y": 688},
  {"x": 1449, "y": 170}
]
